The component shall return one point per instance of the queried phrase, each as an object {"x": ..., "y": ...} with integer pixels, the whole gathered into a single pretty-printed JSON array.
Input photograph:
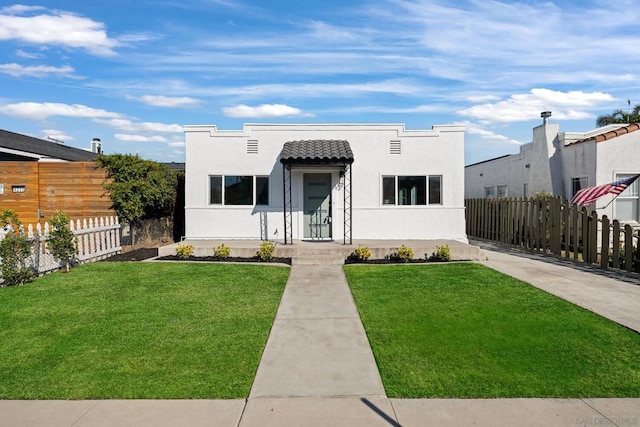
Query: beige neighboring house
[{"x": 563, "y": 163}]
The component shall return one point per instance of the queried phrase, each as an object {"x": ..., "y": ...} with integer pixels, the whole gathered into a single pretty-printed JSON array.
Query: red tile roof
[{"x": 611, "y": 134}]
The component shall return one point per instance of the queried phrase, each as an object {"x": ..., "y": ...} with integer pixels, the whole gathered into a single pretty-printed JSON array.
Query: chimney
[
  {"x": 96, "y": 146},
  {"x": 545, "y": 116}
]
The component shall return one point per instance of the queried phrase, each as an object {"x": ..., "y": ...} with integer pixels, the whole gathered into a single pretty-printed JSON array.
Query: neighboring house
[
  {"x": 324, "y": 181},
  {"x": 562, "y": 163},
  {"x": 39, "y": 178}
]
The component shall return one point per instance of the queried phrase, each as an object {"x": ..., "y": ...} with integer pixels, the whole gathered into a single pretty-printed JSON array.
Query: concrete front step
[{"x": 317, "y": 260}]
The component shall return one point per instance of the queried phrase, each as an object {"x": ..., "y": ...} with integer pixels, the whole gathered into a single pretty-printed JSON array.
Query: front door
[{"x": 317, "y": 206}]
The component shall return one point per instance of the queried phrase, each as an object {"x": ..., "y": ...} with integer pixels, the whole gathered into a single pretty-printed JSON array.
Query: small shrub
[
  {"x": 61, "y": 240},
  {"x": 184, "y": 251},
  {"x": 222, "y": 252},
  {"x": 361, "y": 253},
  {"x": 15, "y": 250},
  {"x": 442, "y": 254},
  {"x": 265, "y": 253},
  {"x": 404, "y": 254}
]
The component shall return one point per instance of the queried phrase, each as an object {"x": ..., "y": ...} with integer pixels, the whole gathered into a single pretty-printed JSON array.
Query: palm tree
[{"x": 620, "y": 116}]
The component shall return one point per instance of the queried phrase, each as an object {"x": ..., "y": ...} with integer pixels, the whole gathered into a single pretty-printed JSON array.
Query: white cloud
[
  {"x": 525, "y": 107},
  {"x": 168, "y": 101},
  {"x": 19, "y": 9},
  {"x": 42, "y": 110},
  {"x": 329, "y": 33},
  {"x": 56, "y": 134},
  {"x": 56, "y": 28},
  {"x": 177, "y": 144},
  {"x": 17, "y": 70},
  {"x": 28, "y": 55},
  {"x": 139, "y": 138},
  {"x": 130, "y": 126},
  {"x": 262, "y": 111},
  {"x": 482, "y": 98},
  {"x": 475, "y": 129}
]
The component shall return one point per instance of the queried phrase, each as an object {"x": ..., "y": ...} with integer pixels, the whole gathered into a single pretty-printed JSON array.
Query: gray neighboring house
[{"x": 15, "y": 147}]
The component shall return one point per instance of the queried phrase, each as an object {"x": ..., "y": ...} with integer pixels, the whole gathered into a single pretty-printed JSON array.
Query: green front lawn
[
  {"x": 465, "y": 331},
  {"x": 138, "y": 330}
]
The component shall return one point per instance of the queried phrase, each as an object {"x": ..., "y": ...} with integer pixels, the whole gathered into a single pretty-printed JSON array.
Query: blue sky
[{"x": 133, "y": 72}]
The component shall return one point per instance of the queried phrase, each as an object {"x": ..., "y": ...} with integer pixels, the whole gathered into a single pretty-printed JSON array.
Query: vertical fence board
[
  {"x": 593, "y": 238},
  {"x": 628, "y": 248},
  {"x": 616, "y": 244},
  {"x": 604, "y": 251}
]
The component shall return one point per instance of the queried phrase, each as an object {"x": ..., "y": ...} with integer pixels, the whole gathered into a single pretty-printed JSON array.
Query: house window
[
  {"x": 215, "y": 190},
  {"x": 435, "y": 190},
  {"x": 490, "y": 192},
  {"x": 388, "y": 190},
  {"x": 411, "y": 190},
  {"x": 578, "y": 184},
  {"x": 626, "y": 204},
  {"x": 503, "y": 190},
  {"x": 238, "y": 190},
  {"x": 262, "y": 190},
  {"x": 525, "y": 189}
]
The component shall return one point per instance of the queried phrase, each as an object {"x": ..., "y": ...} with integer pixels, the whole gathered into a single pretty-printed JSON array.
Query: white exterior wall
[
  {"x": 439, "y": 151},
  {"x": 579, "y": 160},
  {"x": 618, "y": 156},
  {"x": 509, "y": 170}
]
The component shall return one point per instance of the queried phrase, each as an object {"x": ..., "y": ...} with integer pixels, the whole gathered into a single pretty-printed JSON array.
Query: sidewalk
[{"x": 318, "y": 369}]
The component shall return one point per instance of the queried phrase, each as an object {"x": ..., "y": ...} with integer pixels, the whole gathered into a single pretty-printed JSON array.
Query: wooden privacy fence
[
  {"x": 95, "y": 239},
  {"x": 554, "y": 226}
]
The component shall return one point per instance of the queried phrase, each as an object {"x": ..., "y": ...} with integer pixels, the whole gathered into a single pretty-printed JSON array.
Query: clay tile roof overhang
[
  {"x": 316, "y": 152},
  {"x": 611, "y": 134}
]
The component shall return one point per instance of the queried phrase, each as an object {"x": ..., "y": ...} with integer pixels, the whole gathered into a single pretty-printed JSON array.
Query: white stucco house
[
  {"x": 289, "y": 182},
  {"x": 563, "y": 163}
]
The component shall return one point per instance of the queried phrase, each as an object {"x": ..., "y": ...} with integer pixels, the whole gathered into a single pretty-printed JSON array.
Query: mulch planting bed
[
  {"x": 387, "y": 261},
  {"x": 229, "y": 259},
  {"x": 135, "y": 255}
]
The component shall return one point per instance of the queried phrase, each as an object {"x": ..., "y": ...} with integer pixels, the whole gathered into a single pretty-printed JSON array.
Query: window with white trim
[
  {"x": 503, "y": 191},
  {"x": 238, "y": 190},
  {"x": 490, "y": 192},
  {"x": 578, "y": 183},
  {"x": 626, "y": 204},
  {"x": 412, "y": 190}
]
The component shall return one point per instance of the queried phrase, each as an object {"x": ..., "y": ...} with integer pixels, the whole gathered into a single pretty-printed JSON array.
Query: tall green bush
[
  {"x": 60, "y": 240},
  {"x": 14, "y": 251}
]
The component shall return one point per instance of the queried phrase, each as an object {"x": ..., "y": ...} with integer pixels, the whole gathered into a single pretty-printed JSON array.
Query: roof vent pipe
[
  {"x": 545, "y": 116},
  {"x": 96, "y": 146}
]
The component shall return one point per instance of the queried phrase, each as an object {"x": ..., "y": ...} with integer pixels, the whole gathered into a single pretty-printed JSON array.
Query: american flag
[{"x": 591, "y": 194}]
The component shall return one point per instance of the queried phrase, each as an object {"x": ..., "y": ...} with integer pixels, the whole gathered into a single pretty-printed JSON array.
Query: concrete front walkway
[{"x": 317, "y": 346}]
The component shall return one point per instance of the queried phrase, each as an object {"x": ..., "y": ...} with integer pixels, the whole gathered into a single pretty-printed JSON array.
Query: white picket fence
[{"x": 95, "y": 239}]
